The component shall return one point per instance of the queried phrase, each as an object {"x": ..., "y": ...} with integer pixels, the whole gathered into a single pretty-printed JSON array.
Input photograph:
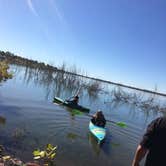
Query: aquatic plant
[
  {"x": 72, "y": 136},
  {"x": 142, "y": 100},
  {"x": 94, "y": 86},
  {"x": 47, "y": 155},
  {"x": 68, "y": 78}
]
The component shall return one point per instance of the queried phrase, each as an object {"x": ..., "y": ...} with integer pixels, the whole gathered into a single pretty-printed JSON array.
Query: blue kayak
[{"x": 98, "y": 132}]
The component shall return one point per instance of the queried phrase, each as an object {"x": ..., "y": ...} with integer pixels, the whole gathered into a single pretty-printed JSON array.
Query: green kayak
[{"x": 66, "y": 103}]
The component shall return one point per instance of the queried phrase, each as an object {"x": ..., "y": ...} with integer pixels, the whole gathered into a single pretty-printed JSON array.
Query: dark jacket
[
  {"x": 99, "y": 121},
  {"x": 73, "y": 102},
  {"x": 155, "y": 141}
]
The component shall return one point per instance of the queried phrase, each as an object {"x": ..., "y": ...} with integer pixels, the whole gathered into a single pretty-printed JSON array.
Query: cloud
[
  {"x": 53, "y": 5},
  {"x": 57, "y": 11},
  {"x": 31, "y": 7},
  {"x": 40, "y": 22}
]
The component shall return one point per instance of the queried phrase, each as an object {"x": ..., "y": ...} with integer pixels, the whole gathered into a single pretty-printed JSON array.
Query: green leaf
[
  {"x": 49, "y": 147},
  {"x": 121, "y": 124},
  {"x": 42, "y": 153},
  {"x": 53, "y": 156},
  {"x": 36, "y": 152},
  {"x": 54, "y": 148},
  {"x": 48, "y": 152}
]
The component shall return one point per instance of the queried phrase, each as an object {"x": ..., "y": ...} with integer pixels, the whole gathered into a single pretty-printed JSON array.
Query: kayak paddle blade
[{"x": 121, "y": 124}]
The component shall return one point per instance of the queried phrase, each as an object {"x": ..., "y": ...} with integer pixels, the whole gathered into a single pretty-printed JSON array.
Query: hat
[{"x": 99, "y": 111}]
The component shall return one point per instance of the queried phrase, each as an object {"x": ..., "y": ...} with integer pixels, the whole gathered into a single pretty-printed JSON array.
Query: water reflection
[
  {"x": 58, "y": 83},
  {"x": 72, "y": 136},
  {"x": 48, "y": 123},
  {"x": 2, "y": 120},
  {"x": 64, "y": 85},
  {"x": 19, "y": 133},
  {"x": 95, "y": 146},
  {"x": 104, "y": 147}
]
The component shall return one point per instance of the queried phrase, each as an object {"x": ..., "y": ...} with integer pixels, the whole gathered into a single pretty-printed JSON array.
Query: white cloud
[
  {"x": 57, "y": 11},
  {"x": 41, "y": 24},
  {"x": 31, "y": 7}
]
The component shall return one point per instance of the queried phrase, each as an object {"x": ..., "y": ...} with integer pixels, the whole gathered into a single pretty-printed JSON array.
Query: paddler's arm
[
  {"x": 146, "y": 142},
  {"x": 139, "y": 155}
]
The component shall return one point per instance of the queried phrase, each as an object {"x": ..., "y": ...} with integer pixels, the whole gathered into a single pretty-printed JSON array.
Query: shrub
[{"x": 4, "y": 74}]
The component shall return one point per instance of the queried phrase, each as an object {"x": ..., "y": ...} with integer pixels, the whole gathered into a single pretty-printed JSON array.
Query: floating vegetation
[
  {"x": 47, "y": 155},
  {"x": 72, "y": 136}
]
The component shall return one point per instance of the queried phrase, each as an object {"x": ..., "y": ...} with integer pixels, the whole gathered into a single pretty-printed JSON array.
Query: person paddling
[
  {"x": 75, "y": 100},
  {"x": 153, "y": 144},
  {"x": 98, "y": 119}
]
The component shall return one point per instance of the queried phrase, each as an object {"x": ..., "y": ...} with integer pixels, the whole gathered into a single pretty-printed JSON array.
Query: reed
[
  {"x": 142, "y": 100},
  {"x": 67, "y": 77}
]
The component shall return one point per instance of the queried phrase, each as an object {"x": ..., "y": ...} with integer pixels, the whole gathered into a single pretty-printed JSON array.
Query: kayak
[
  {"x": 98, "y": 132},
  {"x": 66, "y": 103}
]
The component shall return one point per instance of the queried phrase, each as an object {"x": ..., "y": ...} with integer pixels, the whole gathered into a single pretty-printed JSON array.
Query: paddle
[
  {"x": 120, "y": 124},
  {"x": 67, "y": 100},
  {"x": 76, "y": 94}
]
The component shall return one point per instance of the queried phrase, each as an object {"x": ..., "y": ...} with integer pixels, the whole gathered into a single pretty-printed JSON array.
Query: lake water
[{"x": 32, "y": 121}]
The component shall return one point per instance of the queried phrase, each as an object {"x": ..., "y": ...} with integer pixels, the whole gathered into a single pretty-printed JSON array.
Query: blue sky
[{"x": 117, "y": 40}]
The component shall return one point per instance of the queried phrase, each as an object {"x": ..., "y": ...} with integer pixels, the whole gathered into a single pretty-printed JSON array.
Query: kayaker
[
  {"x": 153, "y": 144},
  {"x": 99, "y": 119},
  {"x": 74, "y": 101}
]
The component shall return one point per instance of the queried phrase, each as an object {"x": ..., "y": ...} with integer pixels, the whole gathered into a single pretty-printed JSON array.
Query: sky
[{"x": 122, "y": 41}]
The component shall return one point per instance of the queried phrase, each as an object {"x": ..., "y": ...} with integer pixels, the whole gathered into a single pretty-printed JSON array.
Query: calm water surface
[{"x": 32, "y": 121}]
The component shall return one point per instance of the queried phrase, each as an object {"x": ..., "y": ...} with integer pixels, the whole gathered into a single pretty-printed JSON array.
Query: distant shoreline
[
  {"x": 122, "y": 85},
  {"x": 11, "y": 58}
]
